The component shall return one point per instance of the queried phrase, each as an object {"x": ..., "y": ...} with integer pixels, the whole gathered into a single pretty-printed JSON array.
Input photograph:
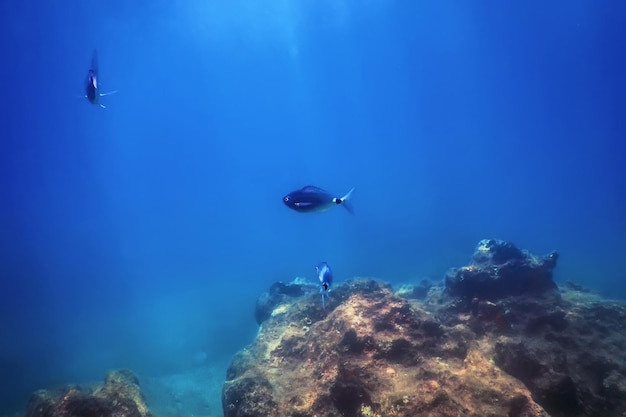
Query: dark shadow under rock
[{"x": 349, "y": 398}]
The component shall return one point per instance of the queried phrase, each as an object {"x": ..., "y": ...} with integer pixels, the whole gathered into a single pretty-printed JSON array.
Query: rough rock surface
[
  {"x": 118, "y": 396},
  {"x": 499, "y": 269},
  {"x": 374, "y": 353},
  {"x": 569, "y": 351},
  {"x": 279, "y": 292},
  {"x": 370, "y": 353}
]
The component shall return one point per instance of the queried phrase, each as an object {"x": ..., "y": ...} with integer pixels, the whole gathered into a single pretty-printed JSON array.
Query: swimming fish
[
  {"x": 91, "y": 85},
  {"x": 312, "y": 199},
  {"x": 326, "y": 279}
]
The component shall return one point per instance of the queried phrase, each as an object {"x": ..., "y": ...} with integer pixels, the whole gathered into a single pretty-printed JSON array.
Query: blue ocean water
[{"x": 140, "y": 235}]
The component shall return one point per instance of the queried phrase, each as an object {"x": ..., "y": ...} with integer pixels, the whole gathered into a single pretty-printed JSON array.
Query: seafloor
[{"x": 496, "y": 338}]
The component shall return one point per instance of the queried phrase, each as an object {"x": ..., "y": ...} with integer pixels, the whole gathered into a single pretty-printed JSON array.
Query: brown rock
[
  {"x": 369, "y": 353},
  {"x": 118, "y": 396}
]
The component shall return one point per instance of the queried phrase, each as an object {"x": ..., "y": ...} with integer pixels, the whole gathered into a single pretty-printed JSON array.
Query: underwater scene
[{"x": 312, "y": 208}]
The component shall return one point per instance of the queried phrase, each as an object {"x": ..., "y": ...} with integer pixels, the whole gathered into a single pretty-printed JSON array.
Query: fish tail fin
[{"x": 346, "y": 202}]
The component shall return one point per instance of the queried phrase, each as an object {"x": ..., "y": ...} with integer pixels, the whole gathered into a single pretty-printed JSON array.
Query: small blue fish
[
  {"x": 91, "y": 85},
  {"x": 312, "y": 199},
  {"x": 326, "y": 279}
]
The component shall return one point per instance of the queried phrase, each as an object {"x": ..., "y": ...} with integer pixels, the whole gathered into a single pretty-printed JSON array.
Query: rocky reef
[
  {"x": 497, "y": 338},
  {"x": 118, "y": 396},
  {"x": 499, "y": 269}
]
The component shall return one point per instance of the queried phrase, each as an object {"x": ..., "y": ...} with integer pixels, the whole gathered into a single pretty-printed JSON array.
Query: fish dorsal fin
[{"x": 313, "y": 188}]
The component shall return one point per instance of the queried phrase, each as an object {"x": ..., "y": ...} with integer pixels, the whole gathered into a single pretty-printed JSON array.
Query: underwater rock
[
  {"x": 118, "y": 396},
  {"x": 419, "y": 291},
  {"x": 569, "y": 355},
  {"x": 278, "y": 293},
  {"x": 498, "y": 269},
  {"x": 369, "y": 353},
  {"x": 569, "y": 351},
  {"x": 558, "y": 352}
]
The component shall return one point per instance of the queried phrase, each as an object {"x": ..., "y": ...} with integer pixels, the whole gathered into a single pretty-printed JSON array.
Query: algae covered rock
[
  {"x": 499, "y": 269},
  {"x": 118, "y": 396},
  {"x": 370, "y": 353},
  {"x": 499, "y": 339},
  {"x": 277, "y": 294}
]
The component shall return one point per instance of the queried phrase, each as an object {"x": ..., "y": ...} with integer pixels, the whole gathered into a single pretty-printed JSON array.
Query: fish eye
[{"x": 286, "y": 199}]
